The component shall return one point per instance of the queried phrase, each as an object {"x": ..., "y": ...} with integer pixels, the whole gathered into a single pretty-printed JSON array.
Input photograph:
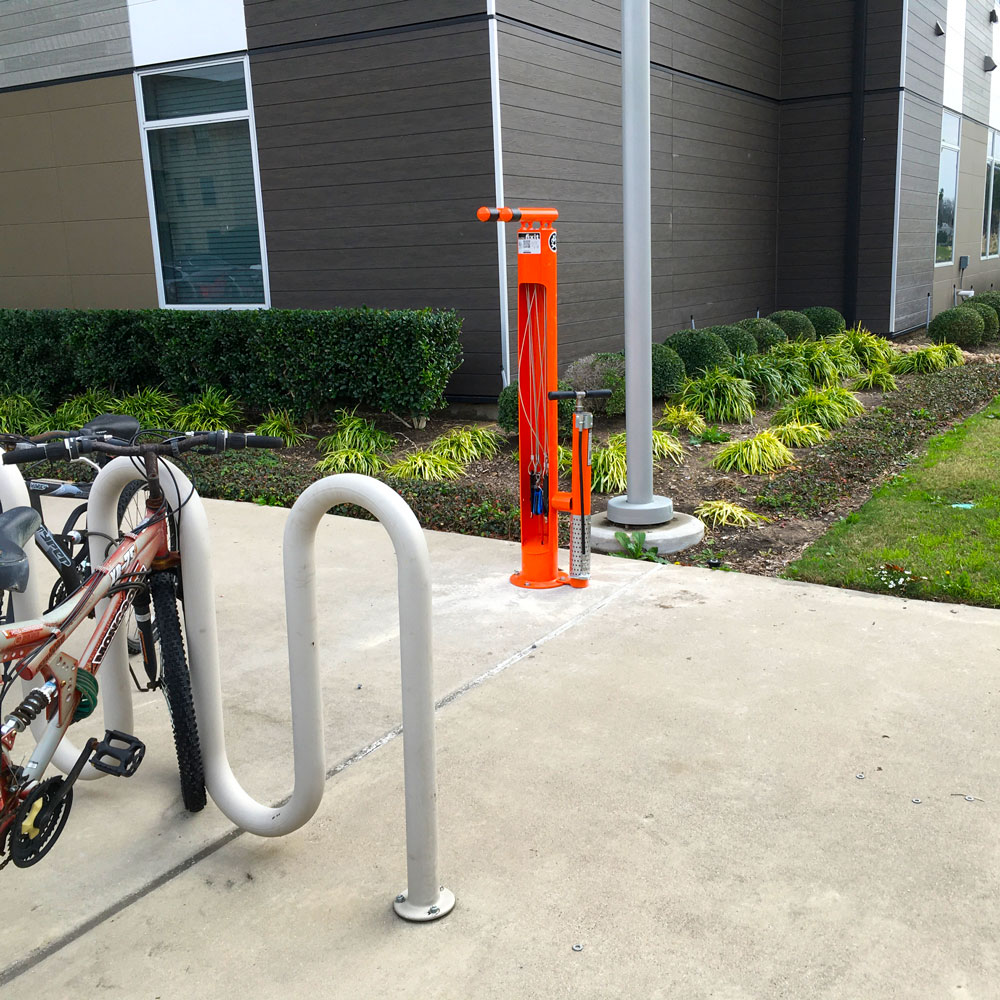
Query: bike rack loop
[{"x": 424, "y": 898}]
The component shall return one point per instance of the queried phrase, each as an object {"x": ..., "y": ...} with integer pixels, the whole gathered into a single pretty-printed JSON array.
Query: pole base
[
  {"x": 657, "y": 510},
  {"x": 520, "y": 580},
  {"x": 441, "y": 907}
]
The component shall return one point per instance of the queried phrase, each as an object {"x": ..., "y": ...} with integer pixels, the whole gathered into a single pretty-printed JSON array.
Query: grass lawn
[{"x": 911, "y": 539}]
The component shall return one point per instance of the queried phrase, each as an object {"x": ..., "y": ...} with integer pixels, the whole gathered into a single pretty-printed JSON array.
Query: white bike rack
[{"x": 424, "y": 899}]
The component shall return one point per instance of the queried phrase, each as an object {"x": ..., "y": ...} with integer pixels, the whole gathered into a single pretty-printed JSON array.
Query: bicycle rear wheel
[{"x": 177, "y": 688}]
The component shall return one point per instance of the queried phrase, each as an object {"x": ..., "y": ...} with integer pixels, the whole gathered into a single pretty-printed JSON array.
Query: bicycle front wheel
[{"x": 177, "y": 688}]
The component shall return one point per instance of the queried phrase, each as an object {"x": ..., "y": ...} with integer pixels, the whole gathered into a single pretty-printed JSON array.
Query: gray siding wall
[
  {"x": 735, "y": 43},
  {"x": 884, "y": 41},
  {"x": 278, "y": 22},
  {"x": 978, "y": 45},
  {"x": 44, "y": 40},
  {"x": 817, "y": 49},
  {"x": 374, "y": 156},
  {"x": 925, "y": 50},
  {"x": 917, "y": 208},
  {"x": 714, "y": 160},
  {"x": 812, "y": 219},
  {"x": 878, "y": 188}
]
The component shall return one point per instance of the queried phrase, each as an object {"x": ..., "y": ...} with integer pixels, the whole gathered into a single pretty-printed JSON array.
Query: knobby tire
[{"x": 177, "y": 688}]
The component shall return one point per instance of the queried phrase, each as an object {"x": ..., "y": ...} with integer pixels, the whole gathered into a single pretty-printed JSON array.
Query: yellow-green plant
[
  {"x": 280, "y": 423},
  {"x": 757, "y": 455},
  {"x": 878, "y": 378},
  {"x": 213, "y": 410},
  {"x": 77, "y": 411},
  {"x": 952, "y": 353},
  {"x": 425, "y": 465},
  {"x": 867, "y": 347},
  {"x": 367, "y": 463},
  {"x": 681, "y": 418},
  {"x": 467, "y": 444},
  {"x": 357, "y": 433},
  {"x": 762, "y": 373},
  {"x": 723, "y": 513},
  {"x": 797, "y": 435},
  {"x": 664, "y": 445},
  {"x": 20, "y": 413},
  {"x": 152, "y": 407},
  {"x": 609, "y": 469},
  {"x": 927, "y": 359},
  {"x": 822, "y": 369},
  {"x": 842, "y": 355},
  {"x": 718, "y": 395},
  {"x": 831, "y": 408}
]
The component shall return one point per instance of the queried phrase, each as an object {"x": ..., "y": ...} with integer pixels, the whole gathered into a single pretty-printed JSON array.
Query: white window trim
[
  {"x": 991, "y": 162},
  {"x": 957, "y": 147},
  {"x": 145, "y": 127}
]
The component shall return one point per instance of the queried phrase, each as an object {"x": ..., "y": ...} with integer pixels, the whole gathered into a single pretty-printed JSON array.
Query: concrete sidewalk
[{"x": 661, "y": 769}]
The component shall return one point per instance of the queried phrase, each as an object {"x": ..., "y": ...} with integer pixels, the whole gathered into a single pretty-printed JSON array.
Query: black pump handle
[{"x": 587, "y": 393}]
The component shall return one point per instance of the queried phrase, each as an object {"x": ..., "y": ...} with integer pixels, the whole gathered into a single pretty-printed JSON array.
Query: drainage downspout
[{"x": 855, "y": 162}]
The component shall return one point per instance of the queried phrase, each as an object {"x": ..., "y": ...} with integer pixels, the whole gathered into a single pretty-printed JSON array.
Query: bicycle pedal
[{"x": 118, "y": 754}]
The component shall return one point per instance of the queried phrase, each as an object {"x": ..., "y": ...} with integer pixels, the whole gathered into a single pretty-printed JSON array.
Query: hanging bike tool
[{"x": 537, "y": 378}]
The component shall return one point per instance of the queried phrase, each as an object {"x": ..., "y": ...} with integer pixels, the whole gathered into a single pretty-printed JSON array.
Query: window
[
  {"x": 951, "y": 128},
  {"x": 991, "y": 205},
  {"x": 203, "y": 182}
]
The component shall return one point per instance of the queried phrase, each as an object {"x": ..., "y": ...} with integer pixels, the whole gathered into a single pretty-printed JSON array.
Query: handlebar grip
[
  {"x": 239, "y": 441},
  {"x": 64, "y": 450},
  {"x": 19, "y": 456},
  {"x": 588, "y": 394}
]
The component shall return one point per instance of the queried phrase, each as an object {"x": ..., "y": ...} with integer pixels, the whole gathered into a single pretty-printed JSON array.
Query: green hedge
[
  {"x": 738, "y": 339},
  {"x": 826, "y": 321},
  {"x": 392, "y": 360},
  {"x": 699, "y": 350},
  {"x": 766, "y": 333},
  {"x": 796, "y": 325},
  {"x": 991, "y": 319}
]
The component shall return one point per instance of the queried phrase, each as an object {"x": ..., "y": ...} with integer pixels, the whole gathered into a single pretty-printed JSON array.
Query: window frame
[
  {"x": 992, "y": 162},
  {"x": 145, "y": 127},
  {"x": 957, "y": 149}
]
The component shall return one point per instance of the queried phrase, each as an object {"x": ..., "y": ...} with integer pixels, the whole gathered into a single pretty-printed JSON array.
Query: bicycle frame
[{"x": 36, "y": 645}]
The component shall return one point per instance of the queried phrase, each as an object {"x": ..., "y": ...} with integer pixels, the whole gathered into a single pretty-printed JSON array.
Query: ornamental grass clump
[
  {"x": 365, "y": 463},
  {"x": 152, "y": 407},
  {"x": 762, "y": 374},
  {"x": 878, "y": 378},
  {"x": 609, "y": 469},
  {"x": 952, "y": 354},
  {"x": 841, "y": 354},
  {"x": 664, "y": 445},
  {"x": 354, "y": 433},
  {"x": 822, "y": 369},
  {"x": 213, "y": 410},
  {"x": 867, "y": 347},
  {"x": 793, "y": 370},
  {"x": 830, "y": 408},
  {"x": 281, "y": 424},
  {"x": 676, "y": 417},
  {"x": 718, "y": 395},
  {"x": 467, "y": 444},
  {"x": 725, "y": 514},
  {"x": 75, "y": 412},
  {"x": 20, "y": 413},
  {"x": 927, "y": 359},
  {"x": 797, "y": 435},
  {"x": 761, "y": 454},
  {"x": 425, "y": 465}
]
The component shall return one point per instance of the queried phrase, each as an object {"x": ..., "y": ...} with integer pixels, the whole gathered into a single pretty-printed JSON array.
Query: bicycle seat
[
  {"x": 118, "y": 425},
  {"x": 17, "y": 525}
]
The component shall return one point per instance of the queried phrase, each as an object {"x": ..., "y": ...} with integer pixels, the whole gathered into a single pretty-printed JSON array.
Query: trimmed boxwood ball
[
  {"x": 990, "y": 298},
  {"x": 738, "y": 340},
  {"x": 826, "y": 321},
  {"x": 668, "y": 371},
  {"x": 991, "y": 321},
  {"x": 699, "y": 350},
  {"x": 959, "y": 325},
  {"x": 796, "y": 325},
  {"x": 766, "y": 333}
]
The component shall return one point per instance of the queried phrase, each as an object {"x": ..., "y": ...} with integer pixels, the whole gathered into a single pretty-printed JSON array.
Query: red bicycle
[{"x": 141, "y": 571}]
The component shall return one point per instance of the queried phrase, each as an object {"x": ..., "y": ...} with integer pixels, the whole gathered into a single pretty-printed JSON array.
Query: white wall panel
[{"x": 170, "y": 30}]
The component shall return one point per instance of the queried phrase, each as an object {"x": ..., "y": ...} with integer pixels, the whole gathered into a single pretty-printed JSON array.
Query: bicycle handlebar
[{"x": 68, "y": 449}]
